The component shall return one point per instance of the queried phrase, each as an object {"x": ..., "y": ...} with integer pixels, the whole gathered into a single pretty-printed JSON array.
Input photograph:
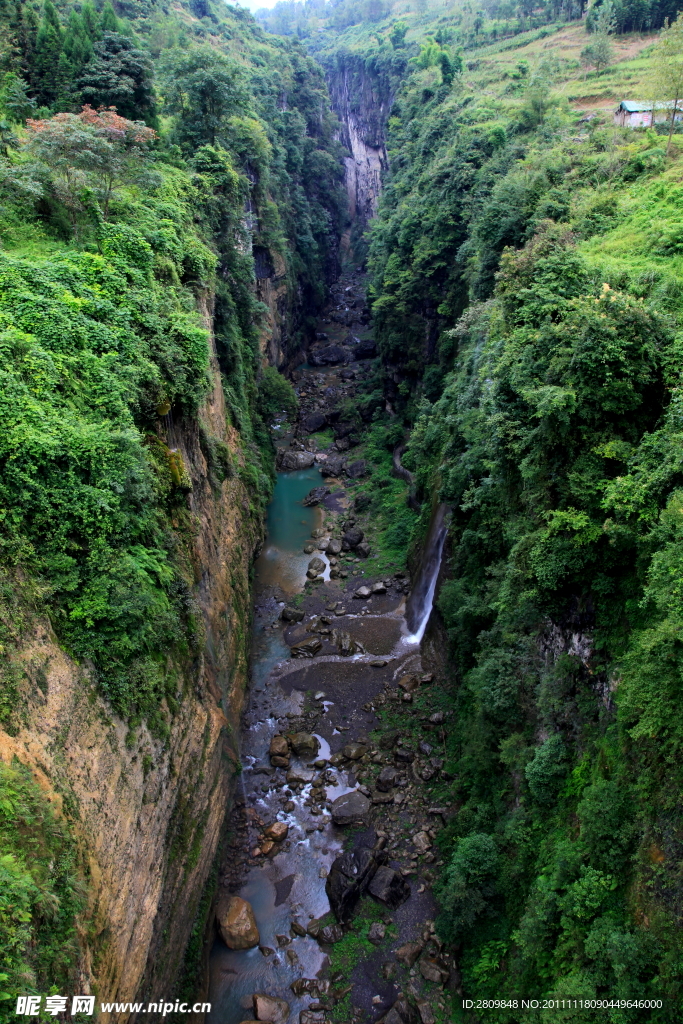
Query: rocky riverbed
[{"x": 326, "y": 910}]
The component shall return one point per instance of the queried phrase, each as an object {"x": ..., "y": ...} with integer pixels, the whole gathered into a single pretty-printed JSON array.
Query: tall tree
[
  {"x": 119, "y": 75},
  {"x": 669, "y": 68},
  {"x": 204, "y": 88}
]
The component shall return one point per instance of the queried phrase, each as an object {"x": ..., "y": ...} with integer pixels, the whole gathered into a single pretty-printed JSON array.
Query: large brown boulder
[
  {"x": 237, "y": 923},
  {"x": 270, "y": 1008}
]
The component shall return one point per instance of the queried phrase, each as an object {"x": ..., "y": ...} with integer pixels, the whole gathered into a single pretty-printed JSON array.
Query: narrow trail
[{"x": 328, "y": 704}]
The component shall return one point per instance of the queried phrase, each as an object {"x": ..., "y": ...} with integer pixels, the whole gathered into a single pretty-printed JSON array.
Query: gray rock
[
  {"x": 303, "y": 744},
  {"x": 345, "y": 645},
  {"x": 349, "y": 808},
  {"x": 408, "y": 954},
  {"x": 362, "y": 592},
  {"x": 330, "y": 934},
  {"x": 422, "y": 842},
  {"x": 290, "y": 614},
  {"x": 365, "y": 349},
  {"x": 363, "y": 549},
  {"x": 378, "y": 588},
  {"x": 357, "y": 469},
  {"x": 376, "y": 932},
  {"x": 334, "y": 546},
  {"x": 289, "y": 461},
  {"x": 328, "y": 355},
  {"x": 351, "y": 538},
  {"x": 332, "y": 466},
  {"x": 314, "y": 421},
  {"x": 389, "y": 887},
  {"x": 354, "y": 751},
  {"x": 306, "y": 648},
  {"x": 433, "y": 969},
  {"x": 386, "y": 779},
  {"x": 316, "y": 565},
  {"x": 315, "y": 496},
  {"x": 347, "y": 880}
]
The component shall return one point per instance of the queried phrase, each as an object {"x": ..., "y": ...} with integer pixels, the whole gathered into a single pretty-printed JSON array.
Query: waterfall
[{"x": 421, "y": 600}]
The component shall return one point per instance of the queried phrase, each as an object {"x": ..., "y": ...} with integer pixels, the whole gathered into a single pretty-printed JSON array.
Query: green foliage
[
  {"x": 276, "y": 395},
  {"x": 41, "y": 892}
]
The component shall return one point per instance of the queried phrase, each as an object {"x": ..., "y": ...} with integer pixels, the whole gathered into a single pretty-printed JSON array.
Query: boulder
[
  {"x": 378, "y": 588},
  {"x": 290, "y": 614},
  {"x": 433, "y": 969},
  {"x": 363, "y": 549},
  {"x": 386, "y": 779},
  {"x": 347, "y": 880},
  {"x": 409, "y": 953},
  {"x": 349, "y": 808},
  {"x": 289, "y": 461},
  {"x": 345, "y": 645},
  {"x": 277, "y": 831},
  {"x": 354, "y": 751},
  {"x": 330, "y": 934},
  {"x": 333, "y": 466},
  {"x": 365, "y": 349},
  {"x": 422, "y": 842},
  {"x": 362, "y": 592},
  {"x": 389, "y": 887},
  {"x": 314, "y": 421},
  {"x": 352, "y": 537},
  {"x": 304, "y": 745},
  {"x": 328, "y": 355},
  {"x": 343, "y": 430},
  {"x": 376, "y": 932},
  {"x": 316, "y": 565},
  {"x": 237, "y": 924},
  {"x": 306, "y": 648},
  {"x": 404, "y": 755},
  {"x": 357, "y": 469},
  {"x": 425, "y": 1011},
  {"x": 379, "y": 797},
  {"x": 279, "y": 762},
  {"x": 315, "y": 496},
  {"x": 270, "y": 1008},
  {"x": 333, "y": 546},
  {"x": 279, "y": 747},
  {"x": 409, "y": 683},
  {"x": 303, "y": 775},
  {"x": 312, "y": 1017}
]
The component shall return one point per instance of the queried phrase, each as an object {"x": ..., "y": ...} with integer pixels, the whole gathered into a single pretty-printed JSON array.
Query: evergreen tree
[{"x": 119, "y": 75}]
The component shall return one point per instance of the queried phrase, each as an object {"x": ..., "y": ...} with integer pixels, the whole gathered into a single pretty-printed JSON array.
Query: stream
[{"x": 330, "y": 697}]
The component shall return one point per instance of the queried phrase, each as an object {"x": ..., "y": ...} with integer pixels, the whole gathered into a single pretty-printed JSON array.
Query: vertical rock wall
[{"x": 148, "y": 810}]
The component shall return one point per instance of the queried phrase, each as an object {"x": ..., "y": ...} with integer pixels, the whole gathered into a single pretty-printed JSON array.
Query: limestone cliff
[
  {"x": 361, "y": 98},
  {"x": 148, "y": 810}
]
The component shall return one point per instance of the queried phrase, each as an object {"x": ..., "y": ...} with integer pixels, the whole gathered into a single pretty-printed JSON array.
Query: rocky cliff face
[
  {"x": 148, "y": 810},
  {"x": 361, "y": 99}
]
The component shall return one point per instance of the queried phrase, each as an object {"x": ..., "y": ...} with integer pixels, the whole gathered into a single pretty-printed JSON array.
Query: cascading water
[{"x": 421, "y": 600}]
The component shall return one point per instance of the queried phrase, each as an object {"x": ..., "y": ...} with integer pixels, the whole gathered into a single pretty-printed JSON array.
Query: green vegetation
[
  {"x": 527, "y": 286},
  {"x": 41, "y": 893}
]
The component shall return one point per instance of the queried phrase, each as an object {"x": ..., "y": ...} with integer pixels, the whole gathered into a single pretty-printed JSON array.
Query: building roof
[{"x": 637, "y": 106}]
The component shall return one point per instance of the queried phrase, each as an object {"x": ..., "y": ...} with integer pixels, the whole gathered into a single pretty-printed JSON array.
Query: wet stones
[
  {"x": 300, "y": 776},
  {"x": 279, "y": 747},
  {"x": 389, "y": 887},
  {"x": 289, "y": 461},
  {"x": 347, "y": 880},
  {"x": 237, "y": 924},
  {"x": 350, "y": 808}
]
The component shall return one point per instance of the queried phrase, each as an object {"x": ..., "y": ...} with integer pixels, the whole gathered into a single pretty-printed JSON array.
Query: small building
[{"x": 635, "y": 114}]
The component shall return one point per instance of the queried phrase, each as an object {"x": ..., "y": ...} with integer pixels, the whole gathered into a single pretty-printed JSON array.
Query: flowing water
[{"x": 289, "y": 885}]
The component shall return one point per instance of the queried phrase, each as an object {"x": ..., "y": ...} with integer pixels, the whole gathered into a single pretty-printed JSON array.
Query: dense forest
[
  {"x": 157, "y": 161},
  {"x": 526, "y": 293},
  {"x": 150, "y": 160}
]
